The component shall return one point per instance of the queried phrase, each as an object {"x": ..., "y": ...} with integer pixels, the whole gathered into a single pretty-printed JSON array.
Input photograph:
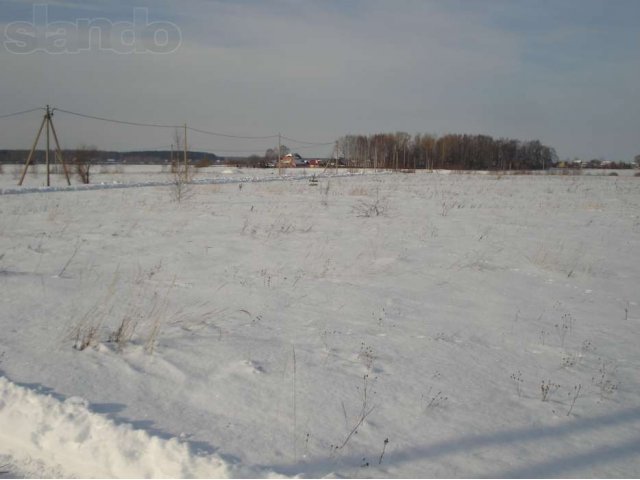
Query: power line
[
  {"x": 307, "y": 143},
  {"x": 197, "y": 130},
  {"x": 220, "y": 150},
  {"x": 163, "y": 125},
  {"x": 313, "y": 146},
  {"x": 193, "y": 148},
  {"x": 20, "y": 113},
  {"x": 142, "y": 149},
  {"x": 122, "y": 122},
  {"x": 217, "y": 134}
]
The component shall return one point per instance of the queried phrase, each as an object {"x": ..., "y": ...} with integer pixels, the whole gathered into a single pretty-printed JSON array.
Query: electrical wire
[
  {"x": 193, "y": 148},
  {"x": 247, "y": 151},
  {"x": 312, "y": 146},
  {"x": 122, "y": 122},
  {"x": 142, "y": 149},
  {"x": 217, "y": 134},
  {"x": 20, "y": 113},
  {"x": 307, "y": 143},
  {"x": 162, "y": 125}
]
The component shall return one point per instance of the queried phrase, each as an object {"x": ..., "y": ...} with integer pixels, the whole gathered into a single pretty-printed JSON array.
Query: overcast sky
[{"x": 566, "y": 72}]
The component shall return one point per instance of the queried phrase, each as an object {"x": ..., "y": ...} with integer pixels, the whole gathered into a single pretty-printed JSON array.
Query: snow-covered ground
[
  {"x": 110, "y": 174},
  {"x": 399, "y": 325}
]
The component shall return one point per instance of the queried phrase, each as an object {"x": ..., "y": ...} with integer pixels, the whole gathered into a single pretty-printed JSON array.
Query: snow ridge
[{"x": 45, "y": 437}]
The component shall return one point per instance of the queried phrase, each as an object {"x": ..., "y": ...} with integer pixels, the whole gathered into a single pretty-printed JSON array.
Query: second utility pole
[{"x": 185, "y": 149}]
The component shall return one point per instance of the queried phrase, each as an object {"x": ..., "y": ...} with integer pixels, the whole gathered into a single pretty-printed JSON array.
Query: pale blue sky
[{"x": 563, "y": 71}]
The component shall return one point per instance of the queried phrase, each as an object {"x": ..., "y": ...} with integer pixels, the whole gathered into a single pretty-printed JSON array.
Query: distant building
[{"x": 292, "y": 160}]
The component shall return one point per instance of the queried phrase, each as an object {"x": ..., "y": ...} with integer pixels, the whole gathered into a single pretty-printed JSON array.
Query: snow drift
[{"x": 65, "y": 438}]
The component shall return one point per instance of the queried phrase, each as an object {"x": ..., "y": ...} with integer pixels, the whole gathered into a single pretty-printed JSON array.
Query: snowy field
[
  {"x": 396, "y": 325},
  {"x": 110, "y": 174},
  {"x": 132, "y": 174}
]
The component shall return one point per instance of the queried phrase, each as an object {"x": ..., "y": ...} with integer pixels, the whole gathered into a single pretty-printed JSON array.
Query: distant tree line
[
  {"x": 452, "y": 151},
  {"x": 595, "y": 163},
  {"x": 106, "y": 156}
]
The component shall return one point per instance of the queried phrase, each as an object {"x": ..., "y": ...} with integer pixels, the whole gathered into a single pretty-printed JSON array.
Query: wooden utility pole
[
  {"x": 47, "y": 121},
  {"x": 33, "y": 149},
  {"x": 186, "y": 166},
  {"x": 46, "y": 153},
  {"x": 59, "y": 150},
  {"x": 279, "y": 154}
]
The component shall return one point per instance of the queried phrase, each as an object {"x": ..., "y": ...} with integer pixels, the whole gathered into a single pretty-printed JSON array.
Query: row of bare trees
[{"x": 401, "y": 151}]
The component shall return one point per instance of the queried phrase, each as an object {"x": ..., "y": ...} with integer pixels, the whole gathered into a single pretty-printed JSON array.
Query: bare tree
[
  {"x": 452, "y": 151},
  {"x": 84, "y": 157}
]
